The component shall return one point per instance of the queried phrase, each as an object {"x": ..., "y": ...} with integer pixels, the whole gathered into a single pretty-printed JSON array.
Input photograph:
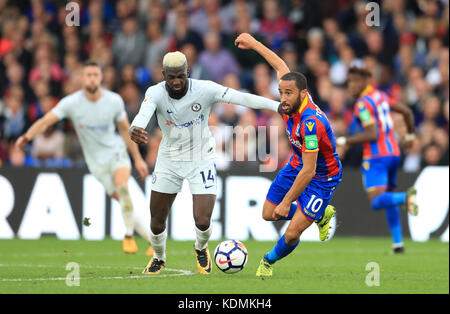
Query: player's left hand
[
  {"x": 142, "y": 168},
  {"x": 282, "y": 210},
  {"x": 245, "y": 41}
]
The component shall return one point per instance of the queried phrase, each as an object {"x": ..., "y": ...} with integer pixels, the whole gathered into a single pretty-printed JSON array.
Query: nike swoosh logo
[
  {"x": 207, "y": 187},
  {"x": 169, "y": 112},
  {"x": 227, "y": 261}
]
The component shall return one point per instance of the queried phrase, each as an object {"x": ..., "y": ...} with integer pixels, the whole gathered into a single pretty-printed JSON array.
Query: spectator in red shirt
[{"x": 274, "y": 27}]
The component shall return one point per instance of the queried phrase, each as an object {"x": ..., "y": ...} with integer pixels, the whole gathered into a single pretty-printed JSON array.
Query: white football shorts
[
  {"x": 169, "y": 175},
  {"x": 105, "y": 173}
]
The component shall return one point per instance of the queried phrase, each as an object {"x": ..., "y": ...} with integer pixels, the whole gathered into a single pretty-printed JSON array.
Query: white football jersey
[
  {"x": 184, "y": 121},
  {"x": 95, "y": 125}
]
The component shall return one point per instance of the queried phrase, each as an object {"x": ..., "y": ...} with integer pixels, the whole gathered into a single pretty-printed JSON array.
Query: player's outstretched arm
[
  {"x": 123, "y": 127},
  {"x": 248, "y": 100},
  {"x": 247, "y": 41},
  {"x": 37, "y": 128}
]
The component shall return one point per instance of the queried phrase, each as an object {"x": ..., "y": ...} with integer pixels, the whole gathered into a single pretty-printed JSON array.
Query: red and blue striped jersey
[
  {"x": 373, "y": 107},
  {"x": 309, "y": 131}
]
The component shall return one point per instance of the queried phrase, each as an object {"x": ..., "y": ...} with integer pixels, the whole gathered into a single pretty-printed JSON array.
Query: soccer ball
[{"x": 230, "y": 256}]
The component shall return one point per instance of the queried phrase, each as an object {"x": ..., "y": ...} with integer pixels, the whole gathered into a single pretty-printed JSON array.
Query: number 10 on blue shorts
[{"x": 313, "y": 200}]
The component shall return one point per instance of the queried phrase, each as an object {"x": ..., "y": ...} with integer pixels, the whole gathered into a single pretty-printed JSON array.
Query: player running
[
  {"x": 381, "y": 153},
  {"x": 95, "y": 112},
  {"x": 187, "y": 150},
  {"x": 303, "y": 189}
]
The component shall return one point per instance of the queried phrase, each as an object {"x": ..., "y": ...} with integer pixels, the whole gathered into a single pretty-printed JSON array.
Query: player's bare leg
[
  {"x": 160, "y": 204},
  {"x": 268, "y": 209},
  {"x": 298, "y": 224},
  {"x": 203, "y": 208}
]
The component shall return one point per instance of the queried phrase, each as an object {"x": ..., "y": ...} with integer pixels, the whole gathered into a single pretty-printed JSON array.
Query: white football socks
[
  {"x": 202, "y": 238},
  {"x": 127, "y": 208},
  {"x": 158, "y": 242},
  {"x": 141, "y": 229}
]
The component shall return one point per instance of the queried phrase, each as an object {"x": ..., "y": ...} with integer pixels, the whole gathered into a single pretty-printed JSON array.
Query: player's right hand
[
  {"x": 138, "y": 135},
  {"x": 142, "y": 168},
  {"x": 245, "y": 41},
  {"x": 282, "y": 210}
]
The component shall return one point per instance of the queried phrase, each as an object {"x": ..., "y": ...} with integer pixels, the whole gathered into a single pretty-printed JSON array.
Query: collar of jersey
[
  {"x": 304, "y": 103},
  {"x": 367, "y": 90}
]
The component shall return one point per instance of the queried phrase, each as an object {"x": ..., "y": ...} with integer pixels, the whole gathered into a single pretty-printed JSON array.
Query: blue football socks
[
  {"x": 391, "y": 201},
  {"x": 388, "y": 199},
  {"x": 280, "y": 250},
  {"x": 394, "y": 223}
]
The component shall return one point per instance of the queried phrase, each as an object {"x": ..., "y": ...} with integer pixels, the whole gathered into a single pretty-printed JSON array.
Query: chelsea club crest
[{"x": 196, "y": 107}]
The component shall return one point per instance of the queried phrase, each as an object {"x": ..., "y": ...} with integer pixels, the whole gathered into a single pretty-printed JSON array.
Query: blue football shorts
[
  {"x": 380, "y": 172},
  {"x": 314, "y": 198}
]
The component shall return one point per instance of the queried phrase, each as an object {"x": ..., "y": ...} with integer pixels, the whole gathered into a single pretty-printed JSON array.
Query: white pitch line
[
  {"x": 59, "y": 265},
  {"x": 32, "y": 279},
  {"x": 72, "y": 254},
  {"x": 180, "y": 272}
]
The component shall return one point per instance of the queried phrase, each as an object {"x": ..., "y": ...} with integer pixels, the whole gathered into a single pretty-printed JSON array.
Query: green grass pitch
[{"x": 336, "y": 266}]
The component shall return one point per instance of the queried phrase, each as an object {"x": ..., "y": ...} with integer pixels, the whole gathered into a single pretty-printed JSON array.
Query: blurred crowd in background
[{"x": 406, "y": 52}]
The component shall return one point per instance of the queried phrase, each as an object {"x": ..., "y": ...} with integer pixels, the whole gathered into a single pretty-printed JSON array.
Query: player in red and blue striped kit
[
  {"x": 381, "y": 152},
  {"x": 309, "y": 131},
  {"x": 373, "y": 108},
  {"x": 308, "y": 122},
  {"x": 303, "y": 189}
]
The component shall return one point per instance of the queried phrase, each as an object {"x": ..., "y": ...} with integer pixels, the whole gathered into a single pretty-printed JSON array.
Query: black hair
[
  {"x": 359, "y": 71},
  {"x": 300, "y": 79}
]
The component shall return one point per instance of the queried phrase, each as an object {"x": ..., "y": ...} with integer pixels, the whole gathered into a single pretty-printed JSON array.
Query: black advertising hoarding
[{"x": 55, "y": 201}]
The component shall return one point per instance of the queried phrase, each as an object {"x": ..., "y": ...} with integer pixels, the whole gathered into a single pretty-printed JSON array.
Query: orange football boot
[{"x": 129, "y": 245}]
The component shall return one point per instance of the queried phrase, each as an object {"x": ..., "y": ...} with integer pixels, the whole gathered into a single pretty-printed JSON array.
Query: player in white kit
[
  {"x": 95, "y": 112},
  {"x": 187, "y": 150}
]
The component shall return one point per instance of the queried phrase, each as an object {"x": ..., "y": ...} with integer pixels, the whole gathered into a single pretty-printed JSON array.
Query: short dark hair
[
  {"x": 300, "y": 79},
  {"x": 359, "y": 71},
  {"x": 90, "y": 63}
]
